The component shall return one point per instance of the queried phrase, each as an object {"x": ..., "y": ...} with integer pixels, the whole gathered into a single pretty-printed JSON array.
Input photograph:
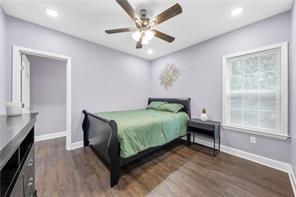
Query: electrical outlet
[{"x": 253, "y": 140}]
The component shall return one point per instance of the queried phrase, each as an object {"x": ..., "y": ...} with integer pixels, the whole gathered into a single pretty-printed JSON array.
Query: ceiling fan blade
[
  {"x": 120, "y": 30},
  {"x": 163, "y": 36},
  {"x": 139, "y": 44},
  {"x": 130, "y": 11},
  {"x": 167, "y": 14}
]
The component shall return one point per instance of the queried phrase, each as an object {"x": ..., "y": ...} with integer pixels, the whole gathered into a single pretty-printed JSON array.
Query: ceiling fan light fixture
[
  {"x": 152, "y": 22},
  {"x": 145, "y": 40},
  {"x": 149, "y": 34},
  {"x": 136, "y": 36},
  {"x": 142, "y": 32}
]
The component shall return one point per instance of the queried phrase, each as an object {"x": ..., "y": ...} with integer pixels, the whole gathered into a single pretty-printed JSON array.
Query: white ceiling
[{"x": 200, "y": 20}]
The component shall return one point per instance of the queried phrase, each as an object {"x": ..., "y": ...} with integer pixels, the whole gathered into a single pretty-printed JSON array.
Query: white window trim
[{"x": 283, "y": 134}]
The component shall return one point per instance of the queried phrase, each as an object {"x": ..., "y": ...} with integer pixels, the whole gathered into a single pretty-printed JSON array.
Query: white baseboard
[
  {"x": 50, "y": 136},
  {"x": 76, "y": 145},
  {"x": 282, "y": 166},
  {"x": 204, "y": 141},
  {"x": 292, "y": 179}
]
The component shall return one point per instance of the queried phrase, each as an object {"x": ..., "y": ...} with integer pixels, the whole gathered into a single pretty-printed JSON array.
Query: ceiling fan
[{"x": 144, "y": 32}]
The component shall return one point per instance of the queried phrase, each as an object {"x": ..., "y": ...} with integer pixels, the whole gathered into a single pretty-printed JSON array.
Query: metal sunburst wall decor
[{"x": 169, "y": 75}]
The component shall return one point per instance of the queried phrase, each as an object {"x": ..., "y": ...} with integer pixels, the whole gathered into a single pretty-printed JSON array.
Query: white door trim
[{"x": 17, "y": 51}]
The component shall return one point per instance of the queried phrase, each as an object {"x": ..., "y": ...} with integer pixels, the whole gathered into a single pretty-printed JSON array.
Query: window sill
[{"x": 256, "y": 132}]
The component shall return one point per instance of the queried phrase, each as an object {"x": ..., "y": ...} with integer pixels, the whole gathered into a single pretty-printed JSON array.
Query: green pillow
[
  {"x": 155, "y": 105},
  {"x": 171, "y": 107}
]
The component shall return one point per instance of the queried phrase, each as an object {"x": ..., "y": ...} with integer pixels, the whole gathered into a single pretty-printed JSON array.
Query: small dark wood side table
[{"x": 209, "y": 129}]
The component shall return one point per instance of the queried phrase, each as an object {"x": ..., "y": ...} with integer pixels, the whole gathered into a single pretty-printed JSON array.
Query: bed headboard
[{"x": 183, "y": 101}]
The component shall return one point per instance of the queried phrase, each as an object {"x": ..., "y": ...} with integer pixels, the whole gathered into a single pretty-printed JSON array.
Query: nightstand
[{"x": 209, "y": 129}]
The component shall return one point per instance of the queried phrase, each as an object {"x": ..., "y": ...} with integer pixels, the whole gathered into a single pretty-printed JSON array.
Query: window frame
[{"x": 283, "y": 133}]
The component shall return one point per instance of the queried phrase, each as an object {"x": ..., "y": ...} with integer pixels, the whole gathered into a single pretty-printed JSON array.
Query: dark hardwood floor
[{"x": 175, "y": 171}]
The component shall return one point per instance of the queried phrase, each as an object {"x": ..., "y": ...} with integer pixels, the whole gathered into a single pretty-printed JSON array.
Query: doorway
[{"x": 21, "y": 77}]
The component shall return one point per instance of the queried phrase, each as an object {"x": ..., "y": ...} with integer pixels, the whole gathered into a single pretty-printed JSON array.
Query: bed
[{"x": 119, "y": 138}]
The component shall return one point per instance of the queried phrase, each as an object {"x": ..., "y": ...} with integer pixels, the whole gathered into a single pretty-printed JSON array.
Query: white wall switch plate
[{"x": 253, "y": 140}]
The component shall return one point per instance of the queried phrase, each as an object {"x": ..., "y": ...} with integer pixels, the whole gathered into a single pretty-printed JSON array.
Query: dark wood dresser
[{"x": 17, "y": 155}]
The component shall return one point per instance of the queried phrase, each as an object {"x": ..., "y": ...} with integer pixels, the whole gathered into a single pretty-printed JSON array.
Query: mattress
[{"x": 141, "y": 129}]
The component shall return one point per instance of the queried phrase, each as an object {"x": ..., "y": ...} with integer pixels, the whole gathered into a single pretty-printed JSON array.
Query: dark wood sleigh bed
[{"x": 102, "y": 136}]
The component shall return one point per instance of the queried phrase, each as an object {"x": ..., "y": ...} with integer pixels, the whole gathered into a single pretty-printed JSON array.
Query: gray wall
[
  {"x": 3, "y": 64},
  {"x": 293, "y": 87},
  {"x": 102, "y": 79},
  {"x": 48, "y": 94},
  {"x": 201, "y": 78}
]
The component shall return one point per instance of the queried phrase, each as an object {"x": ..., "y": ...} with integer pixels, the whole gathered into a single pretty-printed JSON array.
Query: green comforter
[{"x": 142, "y": 129}]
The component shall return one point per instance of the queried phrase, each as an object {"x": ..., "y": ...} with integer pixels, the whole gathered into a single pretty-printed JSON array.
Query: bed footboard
[{"x": 101, "y": 135}]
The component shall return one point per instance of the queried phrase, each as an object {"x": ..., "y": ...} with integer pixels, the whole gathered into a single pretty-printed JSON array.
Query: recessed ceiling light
[
  {"x": 236, "y": 11},
  {"x": 150, "y": 51},
  {"x": 52, "y": 13}
]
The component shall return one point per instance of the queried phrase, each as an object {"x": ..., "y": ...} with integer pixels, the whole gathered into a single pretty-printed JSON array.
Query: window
[{"x": 255, "y": 91}]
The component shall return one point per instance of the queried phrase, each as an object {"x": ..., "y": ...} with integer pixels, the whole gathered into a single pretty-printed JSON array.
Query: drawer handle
[
  {"x": 30, "y": 162},
  {"x": 30, "y": 182}
]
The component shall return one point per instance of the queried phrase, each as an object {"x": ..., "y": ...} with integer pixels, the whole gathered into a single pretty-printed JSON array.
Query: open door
[{"x": 25, "y": 84}]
